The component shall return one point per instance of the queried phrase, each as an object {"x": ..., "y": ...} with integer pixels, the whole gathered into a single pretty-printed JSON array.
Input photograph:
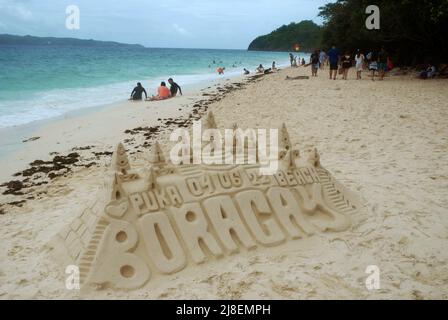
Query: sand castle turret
[
  {"x": 292, "y": 156},
  {"x": 314, "y": 158},
  {"x": 151, "y": 179},
  {"x": 120, "y": 161},
  {"x": 116, "y": 188},
  {"x": 156, "y": 156},
  {"x": 285, "y": 142}
]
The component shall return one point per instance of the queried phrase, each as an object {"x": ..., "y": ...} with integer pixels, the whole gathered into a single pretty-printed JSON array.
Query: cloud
[
  {"x": 182, "y": 31},
  {"x": 15, "y": 9}
]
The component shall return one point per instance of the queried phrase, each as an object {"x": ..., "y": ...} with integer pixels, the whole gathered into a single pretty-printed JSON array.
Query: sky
[{"x": 220, "y": 24}]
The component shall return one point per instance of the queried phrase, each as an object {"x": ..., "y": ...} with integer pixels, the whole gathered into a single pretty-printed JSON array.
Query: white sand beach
[{"x": 385, "y": 140}]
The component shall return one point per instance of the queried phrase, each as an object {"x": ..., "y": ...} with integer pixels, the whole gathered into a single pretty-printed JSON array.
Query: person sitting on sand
[
  {"x": 303, "y": 62},
  {"x": 162, "y": 93},
  {"x": 246, "y": 72},
  {"x": 137, "y": 92},
  {"x": 260, "y": 69},
  {"x": 174, "y": 87},
  {"x": 220, "y": 70},
  {"x": 428, "y": 73}
]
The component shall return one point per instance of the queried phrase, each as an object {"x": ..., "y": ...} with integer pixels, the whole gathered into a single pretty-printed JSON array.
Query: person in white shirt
[
  {"x": 322, "y": 58},
  {"x": 359, "y": 59}
]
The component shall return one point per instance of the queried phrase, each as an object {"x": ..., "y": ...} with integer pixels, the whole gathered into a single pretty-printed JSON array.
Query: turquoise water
[{"x": 42, "y": 82}]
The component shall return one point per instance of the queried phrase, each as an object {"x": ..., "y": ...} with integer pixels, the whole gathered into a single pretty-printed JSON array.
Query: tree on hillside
[
  {"x": 306, "y": 33},
  {"x": 414, "y": 31}
]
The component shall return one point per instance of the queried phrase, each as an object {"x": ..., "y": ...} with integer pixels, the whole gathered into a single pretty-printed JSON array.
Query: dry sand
[{"x": 385, "y": 140}]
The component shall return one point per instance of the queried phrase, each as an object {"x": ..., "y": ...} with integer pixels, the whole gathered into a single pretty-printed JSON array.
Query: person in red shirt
[{"x": 162, "y": 92}]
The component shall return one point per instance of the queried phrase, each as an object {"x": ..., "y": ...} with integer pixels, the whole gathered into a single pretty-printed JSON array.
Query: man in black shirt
[
  {"x": 137, "y": 92},
  {"x": 174, "y": 87}
]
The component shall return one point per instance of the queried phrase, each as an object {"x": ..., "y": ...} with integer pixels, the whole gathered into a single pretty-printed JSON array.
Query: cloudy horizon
[{"x": 230, "y": 24}]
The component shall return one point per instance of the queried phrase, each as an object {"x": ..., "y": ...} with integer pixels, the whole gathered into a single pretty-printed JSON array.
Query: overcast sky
[{"x": 226, "y": 24}]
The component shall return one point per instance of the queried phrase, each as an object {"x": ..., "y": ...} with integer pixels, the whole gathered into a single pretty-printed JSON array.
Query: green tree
[{"x": 413, "y": 31}]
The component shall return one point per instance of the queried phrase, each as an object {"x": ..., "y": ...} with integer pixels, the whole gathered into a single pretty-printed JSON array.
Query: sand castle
[{"x": 160, "y": 219}]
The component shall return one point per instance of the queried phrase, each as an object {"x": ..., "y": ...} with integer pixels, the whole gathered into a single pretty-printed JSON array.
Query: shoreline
[{"x": 56, "y": 147}]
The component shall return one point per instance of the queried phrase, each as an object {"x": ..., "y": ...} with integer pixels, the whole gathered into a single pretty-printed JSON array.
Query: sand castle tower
[
  {"x": 287, "y": 154},
  {"x": 120, "y": 161},
  {"x": 285, "y": 142},
  {"x": 156, "y": 156},
  {"x": 314, "y": 158}
]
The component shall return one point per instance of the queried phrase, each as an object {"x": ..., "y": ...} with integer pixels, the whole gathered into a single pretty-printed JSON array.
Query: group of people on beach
[
  {"x": 163, "y": 92},
  {"x": 293, "y": 60},
  {"x": 377, "y": 62}
]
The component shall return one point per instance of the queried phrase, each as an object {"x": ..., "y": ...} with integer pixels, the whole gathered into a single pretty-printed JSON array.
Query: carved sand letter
[
  {"x": 259, "y": 218},
  {"x": 118, "y": 264},
  {"x": 144, "y": 202},
  {"x": 288, "y": 212},
  {"x": 311, "y": 204},
  {"x": 193, "y": 227},
  {"x": 176, "y": 198},
  {"x": 227, "y": 222},
  {"x": 162, "y": 245},
  {"x": 224, "y": 179}
]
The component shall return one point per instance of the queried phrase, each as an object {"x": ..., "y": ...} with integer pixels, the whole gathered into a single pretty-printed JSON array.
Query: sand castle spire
[
  {"x": 151, "y": 178},
  {"x": 285, "y": 142},
  {"x": 314, "y": 158},
  {"x": 210, "y": 122},
  {"x": 120, "y": 159},
  {"x": 156, "y": 155},
  {"x": 293, "y": 155},
  {"x": 117, "y": 191}
]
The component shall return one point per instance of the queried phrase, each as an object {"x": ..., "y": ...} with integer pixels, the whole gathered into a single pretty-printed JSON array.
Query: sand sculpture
[{"x": 161, "y": 219}]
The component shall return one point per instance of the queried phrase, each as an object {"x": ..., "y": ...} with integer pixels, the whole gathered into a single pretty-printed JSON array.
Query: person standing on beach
[
  {"x": 373, "y": 63},
  {"x": 273, "y": 66},
  {"x": 137, "y": 92},
  {"x": 291, "y": 58},
  {"x": 174, "y": 87},
  {"x": 359, "y": 59},
  {"x": 322, "y": 58},
  {"x": 346, "y": 63},
  {"x": 334, "y": 57},
  {"x": 314, "y": 60},
  {"x": 382, "y": 62}
]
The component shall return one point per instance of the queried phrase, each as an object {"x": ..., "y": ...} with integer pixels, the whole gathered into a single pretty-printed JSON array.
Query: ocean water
[{"x": 43, "y": 82}]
